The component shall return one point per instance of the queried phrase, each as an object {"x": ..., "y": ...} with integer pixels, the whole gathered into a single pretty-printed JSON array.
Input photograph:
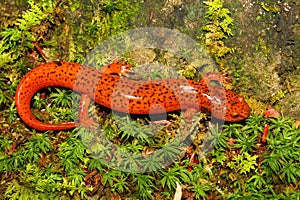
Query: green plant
[
  {"x": 232, "y": 129},
  {"x": 274, "y": 9},
  {"x": 42, "y": 184},
  {"x": 117, "y": 180},
  {"x": 37, "y": 144},
  {"x": 11, "y": 113},
  {"x": 200, "y": 171},
  {"x": 71, "y": 154},
  {"x": 243, "y": 163},
  {"x": 200, "y": 189},
  {"x": 131, "y": 129},
  {"x": 169, "y": 151},
  {"x": 290, "y": 171},
  {"x": 13, "y": 162},
  {"x": 58, "y": 114},
  {"x": 5, "y": 143},
  {"x": 281, "y": 157},
  {"x": 5, "y": 56},
  {"x": 281, "y": 124},
  {"x": 112, "y": 17},
  {"x": 61, "y": 109},
  {"x": 217, "y": 139},
  {"x": 17, "y": 40},
  {"x": 39, "y": 102},
  {"x": 152, "y": 163},
  {"x": 76, "y": 176},
  {"x": 272, "y": 163},
  {"x": 280, "y": 95},
  {"x": 246, "y": 141},
  {"x": 218, "y": 28},
  {"x": 95, "y": 143},
  {"x": 218, "y": 156},
  {"x": 144, "y": 185},
  {"x": 110, "y": 128},
  {"x": 200, "y": 176},
  {"x": 177, "y": 173},
  {"x": 130, "y": 160},
  {"x": 16, "y": 190},
  {"x": 255, "y": 121},
  {"x": 6, "y": 90},
  {"x": 253, "y": 128},
  {"x": 258, "y": 180},
  {"x": 62, "y": 97},
  {"x": 54, "y": 165}
]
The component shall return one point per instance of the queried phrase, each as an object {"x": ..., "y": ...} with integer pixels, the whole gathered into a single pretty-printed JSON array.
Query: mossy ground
[{"x": 264, "y": 64}]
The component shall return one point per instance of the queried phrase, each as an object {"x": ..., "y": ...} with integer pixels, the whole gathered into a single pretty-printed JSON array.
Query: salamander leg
[
  {"x": 213, "y": 77},
  {"x": 84, "y": 119},
  {"x": 117, "y": 68}
]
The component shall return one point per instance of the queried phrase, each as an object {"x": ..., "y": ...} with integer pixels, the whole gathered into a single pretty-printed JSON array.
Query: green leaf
[{"x": 243, "y": 163}]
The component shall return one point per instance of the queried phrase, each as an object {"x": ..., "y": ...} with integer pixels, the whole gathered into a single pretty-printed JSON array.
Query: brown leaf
[
  {"x": 271, "y": 112},
  {"x": 297, "y": 123}
]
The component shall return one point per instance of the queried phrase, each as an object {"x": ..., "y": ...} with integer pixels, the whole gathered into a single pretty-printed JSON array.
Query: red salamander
[{"x": 109, "y": 89}]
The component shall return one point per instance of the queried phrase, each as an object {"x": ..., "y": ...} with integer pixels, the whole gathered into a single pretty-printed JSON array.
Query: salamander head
[
  {"x": 233, "y": 109},
  {"x": 236, "y": 108}
]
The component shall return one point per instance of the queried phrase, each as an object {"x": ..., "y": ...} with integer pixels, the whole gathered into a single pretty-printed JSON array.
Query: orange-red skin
[
  {"x": 265, "y": 133},
  {"x": 109, "y": 89}
]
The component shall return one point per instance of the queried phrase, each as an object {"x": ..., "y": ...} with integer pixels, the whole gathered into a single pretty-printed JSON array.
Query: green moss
[
  {"x": 59, "y": 165},
  {"x": 218, "y": 28}
]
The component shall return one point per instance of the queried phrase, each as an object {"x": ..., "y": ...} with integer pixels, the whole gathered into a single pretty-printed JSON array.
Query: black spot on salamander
[
  {"x": 114, "y": 74},
  {"x": 233, "y": 102}
]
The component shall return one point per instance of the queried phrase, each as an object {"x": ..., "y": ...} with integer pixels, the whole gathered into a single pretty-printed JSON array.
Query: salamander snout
[{"x": 236, "y": 109}]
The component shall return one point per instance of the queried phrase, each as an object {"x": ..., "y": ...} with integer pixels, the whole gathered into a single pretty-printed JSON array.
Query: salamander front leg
[
  {"x": 116, "y": 68},
  {"x": 220, "y": 78}
]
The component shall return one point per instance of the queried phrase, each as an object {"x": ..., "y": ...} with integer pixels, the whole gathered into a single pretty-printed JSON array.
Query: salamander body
[{"x": 109, "y": 89}]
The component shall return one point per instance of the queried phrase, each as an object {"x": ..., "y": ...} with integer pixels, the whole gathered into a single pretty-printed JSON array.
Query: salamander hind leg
[{"x": 84, "y": 118}]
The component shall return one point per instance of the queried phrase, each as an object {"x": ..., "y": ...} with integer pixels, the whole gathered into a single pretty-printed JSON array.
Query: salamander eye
[{"x": 214, "y": 83}]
